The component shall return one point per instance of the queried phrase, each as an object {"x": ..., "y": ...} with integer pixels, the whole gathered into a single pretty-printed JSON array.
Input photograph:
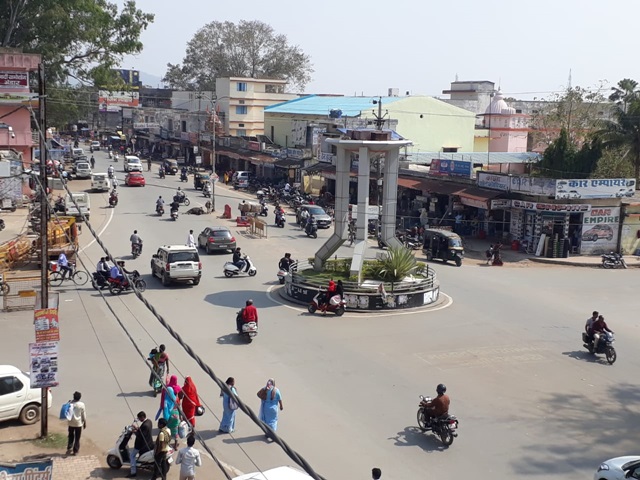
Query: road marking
[
  {"x": 448, "y": 302},
  {"x": 101, "y": 231}
]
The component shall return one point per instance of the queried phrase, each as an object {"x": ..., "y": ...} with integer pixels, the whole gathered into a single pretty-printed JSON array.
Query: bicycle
[
  {"x": 77, "y": 276},
  {"x": 4, "y": 286}
]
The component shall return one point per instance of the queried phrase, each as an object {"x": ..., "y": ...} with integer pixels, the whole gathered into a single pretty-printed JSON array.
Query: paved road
[{"x": 530, "y": 402}]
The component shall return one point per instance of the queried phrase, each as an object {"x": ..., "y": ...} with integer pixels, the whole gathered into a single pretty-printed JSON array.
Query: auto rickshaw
[
  {"x": 170, "y": 166},
  {"x": 199, "y": 179},
  {"x": 444, "y": 245}
]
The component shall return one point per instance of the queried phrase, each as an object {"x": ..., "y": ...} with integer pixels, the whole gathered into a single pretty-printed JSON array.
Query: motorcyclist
[
  {"x": 117, "y": 273},
  {"x": 285, "y": 262},
  {"x": 183, "y": 173},
  {"x": 102, "y": 269},
  {"x": 174, "y": 206},
  {"x": 599, "y": 327},
  {"x": 179, "y": 196},
  {"x": 110, "y": 171},
  {"x": 310, "y": 221},
  {"x": 136, "y": 242},
  {"x": 159, "y": 203},
  {"x": 438, "y": 406},
  {"x": 328, "y": 294},
  {"x": 248, "y": 314},
  {"x": 161, "y": 171},
  {"x": 304, "y": 217},
  {"x": 238, "y": 259},
  {"x": 113, "y": 196},
  {"x": 287, "y": 187},
  {"x": 589, "y": 324}
]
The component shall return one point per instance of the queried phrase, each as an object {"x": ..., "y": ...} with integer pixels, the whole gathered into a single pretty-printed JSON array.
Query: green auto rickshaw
[
  {"x": 199, "y": 179},
  {"x": 443, "y": 245}
]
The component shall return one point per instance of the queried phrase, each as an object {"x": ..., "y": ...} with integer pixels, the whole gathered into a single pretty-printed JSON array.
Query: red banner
[
  {"x": 47, "y": 325},
  {"x": 10, "y": 79}
]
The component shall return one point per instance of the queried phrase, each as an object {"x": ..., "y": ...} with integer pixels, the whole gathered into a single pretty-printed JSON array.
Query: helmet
[{"x": 441, "y": 389}]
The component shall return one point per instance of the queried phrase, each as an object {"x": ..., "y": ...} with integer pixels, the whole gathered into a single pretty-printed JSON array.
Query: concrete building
[
  {"x": 240, "y": 103},
  {"x": 508, "y": 130}
]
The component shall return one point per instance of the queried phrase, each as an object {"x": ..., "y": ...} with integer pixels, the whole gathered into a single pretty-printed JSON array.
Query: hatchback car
[
  {"x": 216, "y": 238},
  {"x": 17, "y": 398},
  {"x": 617, "y": 468},
  {"x": 597, "y": 232},
  {"x": 321, "y": 217},
  {"x": 132, "y": 179}
]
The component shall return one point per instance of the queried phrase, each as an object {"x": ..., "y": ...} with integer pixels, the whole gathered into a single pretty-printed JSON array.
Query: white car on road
[
  {"x": 617, "y": 468},
  {"x": 17, "y": 398}
]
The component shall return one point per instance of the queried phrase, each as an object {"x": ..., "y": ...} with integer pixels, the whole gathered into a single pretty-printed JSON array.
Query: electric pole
[
  {"x": 44, "y": 229},
  {"x": 379, "y": 116}
]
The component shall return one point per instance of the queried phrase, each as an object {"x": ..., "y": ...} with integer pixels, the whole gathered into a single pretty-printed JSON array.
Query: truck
[{"x": 83, "y": 201}]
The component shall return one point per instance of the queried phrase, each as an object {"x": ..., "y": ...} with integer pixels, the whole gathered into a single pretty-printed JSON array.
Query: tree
[
  {"x": 68, "y": 104},
  {"x": 248, "y": 49},
  {"x": 623, "y": 132},
  {"x": 624, "y": 92},
  {"x": 563, "y": 159},
  {"x": 83, "y": 39},
  {"x": 614, "y": 164}
]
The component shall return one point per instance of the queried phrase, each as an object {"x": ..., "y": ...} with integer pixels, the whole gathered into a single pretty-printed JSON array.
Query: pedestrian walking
[
  {"x": 189, "y": 459},
  {"x": 77, "y": 423},
  {"x": 148, "y": 164},
  {"x": 271, "y": 400},
  {"x": 190, "y": 400},
  {"x": 169, "y": 407},
  {"x": 376, "y": 473},
  {"x": 229, "y": 407},
  {"x": 143, "y": 443},
  {"x": 191, "y": 242},
  {"x": 161, "y": 465}
]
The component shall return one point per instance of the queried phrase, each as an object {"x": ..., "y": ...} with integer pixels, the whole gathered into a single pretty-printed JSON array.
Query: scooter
[
  {"x": 444, "y": 427},
  {"x": 119, "y": 454},
  {"x": 174, "y": 215},
  {"x": 336, "y": 304},
  {"x": 249, "y": 329},
  {"x": 230, "y": 269},
  {"x": 159, "y": 210},
  {"x": 136, "y": 249},
  {"x": 113, "y": 199},
  {"x": 206, "y": 190},
  {"x": 282, "y": 274},
  {"x": 264, "y": 210},
  {"x": 183, "y": 177},
  {"x": 311, "y": 230},
  {"x": 280, "y": 221}
]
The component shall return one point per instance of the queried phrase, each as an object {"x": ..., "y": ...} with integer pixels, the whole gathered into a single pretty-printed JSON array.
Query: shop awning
[
  {"x": 412, "y": 183},
  {"x": 476, "y": 197},
  {"x": 289, "y": 163},
  {"x": 315, "y": 168},
  {"x": 442, "y": 188}
]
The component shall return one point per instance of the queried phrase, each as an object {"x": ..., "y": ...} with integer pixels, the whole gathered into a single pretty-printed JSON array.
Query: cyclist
[{"x": 63, "y": 265}]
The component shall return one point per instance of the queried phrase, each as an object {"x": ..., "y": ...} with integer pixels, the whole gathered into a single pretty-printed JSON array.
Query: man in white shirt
[
  {"x": 76, "y": 423},
  {"x": 188, "y": 459},
  {"x": 63, "y": 263},
  {"x": 191, "y": 242}
]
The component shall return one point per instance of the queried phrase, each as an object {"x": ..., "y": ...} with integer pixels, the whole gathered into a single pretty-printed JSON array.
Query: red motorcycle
[
  {"x": 117, "y": 285},
  {"x": 336, "y": 304}
]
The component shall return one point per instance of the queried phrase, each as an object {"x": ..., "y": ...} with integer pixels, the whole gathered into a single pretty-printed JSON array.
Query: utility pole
[
  {"x": 44, "y": 229},
  {"x": 379, "y": 116},
  {"x": 380, "y": 119}
]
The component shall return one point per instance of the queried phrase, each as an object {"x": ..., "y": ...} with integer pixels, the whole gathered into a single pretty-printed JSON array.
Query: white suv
[
  {"x": 132, "y": 164},
  {"x": 17, "y": 398},
  {"x": 176, "y": 263}
]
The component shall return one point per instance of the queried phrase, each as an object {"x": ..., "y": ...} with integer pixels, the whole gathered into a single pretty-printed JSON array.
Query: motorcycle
[
  {"x": 182, "y": 199},
  {"x": 264, "y": 210},
  {"x": 445, "y": 426},
  {"x": 184, "y": 177},
  {"x": 159, "y": 210},
  {"x": 335, "y": 304},
  {"x": 282, "y": 274},
  {"x": 2, "y": 225},
  {"x": 230, "y": 269},
  {"x": 206, "y": 190},
  {"x": 119, "y": 454},
  {"x": 99, "y": 281},
  {"x": 161, "y": 173},
  {"x": 117, "y": 286},
  {"x": 174, "y": 215},
  {"x": 110, "y": 174},
  {"x": 113, "y": 199},
  {"x": 115, "y": 157},
  {"x": 136, "y": 249},
  {"x": 249, "y": 329},
  {"x": 311, "y": 230},
  {"x": 280, "y": 221},
  {"x": 110, "y": 155},
  {"x": 605, "y": 346},
  {"x": 613, "y": 260}
]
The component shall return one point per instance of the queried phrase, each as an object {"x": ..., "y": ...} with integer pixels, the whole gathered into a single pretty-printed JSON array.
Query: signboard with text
[
  {"x": 533, "y": 185},
  {"x": 600, "y": 227},
  {"x": 114, "y": 101},
  {"x": 495, "y": 182},
  {"x": 9, "y": 79},
  {"x": 47, "y": 325},
  {"x": 450, "y": 168},
  {"x": 596, "y": 188},
  {"x": 550, "y": 207},
  {"x": 43, "y": 361},
  {"x": 42, "y": 470}
]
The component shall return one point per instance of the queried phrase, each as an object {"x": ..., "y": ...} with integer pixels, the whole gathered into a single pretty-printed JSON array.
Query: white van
[
  {"x": 240, "y": 179},
  {"x": 132, "y": 164},
  {"x": 77, "y": 152},
  {"x": 82, "y": 199},
  {"x": 18, "y": 399},
  {"x": 83, "y": 170},
  {"x": 100, "y": 182}
]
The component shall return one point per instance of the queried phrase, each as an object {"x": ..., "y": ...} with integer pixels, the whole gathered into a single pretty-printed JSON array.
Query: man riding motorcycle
[
  {"x": 248, "y": 314},
  {"x": 179, "y": 196},
  {"x": 310, "y": 221},
  {"x": 110, "y": 171},
  {"x": 102, "y": 269},
  {"x": 588, "y": 326},
  {"x": 136, "y": 242},
  {"x": 238, "y": 259},
  {"x": 598, "y": 328},
  {"x": 439, "y": 406},
  {"x": 159, "y": 204},
  {"x": 286, "y": 262},
  {"x": 174, "y": 206}
]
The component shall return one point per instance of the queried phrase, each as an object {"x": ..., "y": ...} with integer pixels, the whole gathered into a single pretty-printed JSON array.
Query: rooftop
[
  {"x": 475, "y": 157},
  {"x": 322, "y": 105}
]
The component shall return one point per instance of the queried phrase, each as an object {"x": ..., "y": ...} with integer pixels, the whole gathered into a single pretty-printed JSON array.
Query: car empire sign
[
  {"x": 596, "y": 188},
  {"x": 549, "y": 207}
]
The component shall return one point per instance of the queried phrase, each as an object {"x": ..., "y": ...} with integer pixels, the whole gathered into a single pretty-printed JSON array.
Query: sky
[{"x": 366, "y": 47}]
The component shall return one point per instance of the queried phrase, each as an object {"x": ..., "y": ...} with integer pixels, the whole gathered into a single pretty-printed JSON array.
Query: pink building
[
  {"x": 16, "y": 70},
  {"x": 508, "y": 130}
]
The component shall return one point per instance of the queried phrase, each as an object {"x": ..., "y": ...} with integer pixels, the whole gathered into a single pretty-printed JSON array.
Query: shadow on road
[
  {"x": 146, "y": 393},
  {"x": 414, "y": 437},
  {"x": 237, "y": 298},
  {"x": 585, "y": 356},
  {"x": 105, "y": 472},
  {"x": 250, "y": 439},
  {"x": 231, "y": 339},
  {"x": 580, "y": 430}
]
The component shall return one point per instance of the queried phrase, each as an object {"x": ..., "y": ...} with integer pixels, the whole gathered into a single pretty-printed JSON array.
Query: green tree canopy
[
  {"x": 248, "y": 49},
  {"x": 83, "y": 39}
]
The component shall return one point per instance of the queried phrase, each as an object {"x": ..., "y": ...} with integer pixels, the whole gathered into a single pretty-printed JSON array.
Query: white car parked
[
  {"x": 17, "y": 398},
  {"x": 618, "y": 468}
]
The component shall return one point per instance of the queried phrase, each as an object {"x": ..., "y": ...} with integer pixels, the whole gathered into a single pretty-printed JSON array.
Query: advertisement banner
[
  {"x": 600, "y": 227},
  {"x": 550, "y": 207},
  {"x": 450, "y": 168},
  {"x": 10, "y": 79},
  {"x": 113, "y": 101},
  {"x": 493, "y": 181},
  {"x": 47, "y": 325},
  {"x": 16, "y": 98},
  {"x": 27, "y": 471},
  {"x": 533, "y": 185},
  {"x": 596, "y": 188},
  {"x": 43, "y": 359}
]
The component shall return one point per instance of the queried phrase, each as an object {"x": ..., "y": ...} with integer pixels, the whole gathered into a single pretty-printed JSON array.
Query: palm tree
[
  {"x": 625, "y": 92},
  {"x": 624, "y": 132}
]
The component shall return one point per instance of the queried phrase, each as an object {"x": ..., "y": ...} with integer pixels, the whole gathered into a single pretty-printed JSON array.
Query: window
[
  {"x": 242, "y": 86},
  {"x": 9, "y": 385},
  {"x": 241, "y": 125},
  {"x": 450, "y": 149},
  {"x": 241, "y": 132},
  {"x": 241, "y": 109},
  {"x": 241, "y": 102},
  {"x": 183, "y": 257},
  {"x": 518, "y": 111}
]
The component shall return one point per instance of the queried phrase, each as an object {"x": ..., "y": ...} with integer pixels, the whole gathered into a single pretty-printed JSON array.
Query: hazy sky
[{"x": 419, "y": 46}]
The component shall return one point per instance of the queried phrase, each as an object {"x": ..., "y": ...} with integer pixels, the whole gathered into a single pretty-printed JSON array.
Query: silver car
[
  {"x": 617, "y": 468},
  {"x": 321, "y": 217}
]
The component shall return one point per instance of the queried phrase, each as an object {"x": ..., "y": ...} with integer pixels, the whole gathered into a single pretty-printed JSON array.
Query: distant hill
[{"x": 149, "y": 80}]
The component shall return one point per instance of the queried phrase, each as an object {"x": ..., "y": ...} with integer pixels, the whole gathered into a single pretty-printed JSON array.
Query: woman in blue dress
[
  {"x": 271, "y": 400},
  {"x": 229, "y": 406}
]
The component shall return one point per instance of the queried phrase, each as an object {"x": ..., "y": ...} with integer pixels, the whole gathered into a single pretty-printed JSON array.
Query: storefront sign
[
  {"x": 184, "y": 136},
  {"x": 16, "y": 98},
  {"x": 43, "y": 359},
  {"x": 450, "y": 168},
  {"x": 113, "y": 101},
  {"x": 325, "y": 157},
  {"x": 27, "y": 471},
  {"x": 549, "y": 207},
  {"x": 47, "y": 325},
  {"x": 500, "y": 204},
  {"x": 254, "y": 146},
  {"x": 14, "y": 79},
  {"x": 495, "y": 182},
  {"x": 145, "y": 126},
  {"x": 596, "y": 188},
  {"x": 473, "y": 202},
  {"x": 600, "y": 230},
  {"x": 533, "y": 185},
  {"x": 298, "y": 153}
]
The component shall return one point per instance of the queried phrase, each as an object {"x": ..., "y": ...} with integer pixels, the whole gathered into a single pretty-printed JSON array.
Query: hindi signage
[
  {"x": 450, "y": 168},
  {"x": 43, "y": 359},
  {"x": 533, "y": 185},
  {"x": 600, "y": 227},
  {"x": 326, "y": 157},
  {"x": 550, "y": 207},
  {"x": 27, "y": 471},
  {"x": 47, "y": 325},
  {"x": 114, "y": 101},
  {"x": 9, "y": 79},
  {"x": 596, "y": 188},
  {"x": 495, "y": 182}
]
